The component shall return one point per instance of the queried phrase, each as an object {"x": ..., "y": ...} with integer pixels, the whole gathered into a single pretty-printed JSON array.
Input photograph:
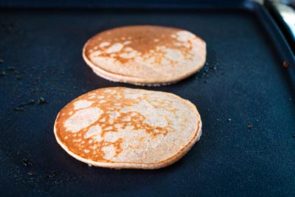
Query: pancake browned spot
[
  {"x": 145, "y": 55},
  {"x": 128, "y": 128}
]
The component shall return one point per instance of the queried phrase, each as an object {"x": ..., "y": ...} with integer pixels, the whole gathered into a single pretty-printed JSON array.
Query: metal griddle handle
[{"x": 286, "y": 14}]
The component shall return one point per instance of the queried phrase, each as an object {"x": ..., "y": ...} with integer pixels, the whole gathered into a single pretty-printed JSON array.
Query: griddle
[{"x": 245, "y": 95}]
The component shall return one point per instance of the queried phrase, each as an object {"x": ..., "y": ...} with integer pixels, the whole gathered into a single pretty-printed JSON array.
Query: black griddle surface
[{"x": 246, "y": 103}]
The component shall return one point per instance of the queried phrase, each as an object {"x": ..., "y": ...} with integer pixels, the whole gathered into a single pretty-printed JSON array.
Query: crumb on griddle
[
  {"x": 27, "y": 162},
  {"x": 3, "y": 73},
  {"x": 229, "y": 119},
  {"x": 51, "y": 174},
  {"x": 31, "y": 102},
  {"x": 18, "y": 77},
  {"x": 41, "y": 100},
  {"x": 206, "y": 69},
  {"x": 19, "y": 109},
  {"x": 285, "y": 64},
  {"x": 11, "y": 68},
  {"x": 250, "y": 126}
]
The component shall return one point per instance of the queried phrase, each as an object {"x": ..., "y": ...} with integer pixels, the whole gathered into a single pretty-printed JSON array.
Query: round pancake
[
  {"x": 145, "y": 55},
  {"x": 128, "y": 128}
]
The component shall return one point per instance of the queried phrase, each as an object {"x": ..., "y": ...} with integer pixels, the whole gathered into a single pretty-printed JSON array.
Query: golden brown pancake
[
  {"x": 128, "y": 128},
  {"x": 145, "y": 55}
]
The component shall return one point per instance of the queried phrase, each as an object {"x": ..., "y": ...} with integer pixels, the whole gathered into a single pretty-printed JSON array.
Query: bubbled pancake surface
[
  {"x": 145, "y": 55},
  {"x": 128, "y": 128}
]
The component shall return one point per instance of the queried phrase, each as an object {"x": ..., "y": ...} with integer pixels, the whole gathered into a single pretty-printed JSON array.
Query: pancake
[
  {"x": 128, "y": 128},
  {"x": 145, "y": 55}
]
